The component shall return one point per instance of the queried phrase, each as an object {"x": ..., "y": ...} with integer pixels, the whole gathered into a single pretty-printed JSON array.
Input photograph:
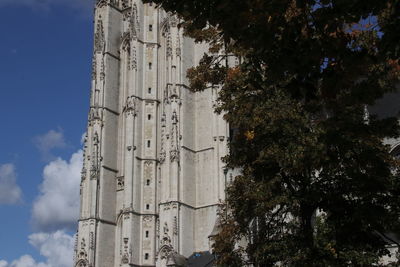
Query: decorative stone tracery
[
  {"x": 94, "y": 115},
  {"x": 134, "y": 25},
  {"x": 82, "y": 263},
  {"x": 99, "y": 38},
  {"x": 101, "y": 3},
  {"x": 125, "y": 255},
  {"x": 120, "y": 183},
  {"x": 95, "y": 167},
  {"x": 82, "y": 256},
  {"x": 130, "y": 106},
  {"x": 165, "y": 243}
]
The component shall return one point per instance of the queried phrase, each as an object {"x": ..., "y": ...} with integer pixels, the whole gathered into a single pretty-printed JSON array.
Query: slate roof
[{"x": 201, "y": 259}]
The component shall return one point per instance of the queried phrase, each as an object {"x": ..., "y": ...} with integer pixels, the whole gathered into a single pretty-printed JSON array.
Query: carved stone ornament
[
  {"x": 95, "y": 167},
  {"x": 94, "y": 172},
  {"x": 125, "y": 259},
  {"x": 148, "y": 170},
  {"x": 76, "y": 242},
  {"x": 165, "y": 243},
  {"x": 126, "y": 15},
  {"x": 101, "y": 3},
  {"x": 166, "y": 230},
  {"x": 158, "y": 227},
  {"x": 99, "y": 39},
  {"x": 133, "y": 62},
  {"x": 163, "y": 155},
  {"x": 94, "y": 67},
  {"x": 173, "y": 92},
  {"x": 178, "y": 45},
  {"x": 94, "y": 115},
  {"x": 167, "y": 206},
  {"x": 134, "y": 22},
  {"x": 163, "y": 120},
  {"x": 175, "y": 226},
  {"x": 126, "y": 42},
  {"x": 164, "y": 252},
  {"x": 103, "y": 70},
  {"x": 169, "y": 42},
  {"x": 178, "y": 52},
  {"x": 120, "y": 183},
  {"x": 82, "y": 254},
  {"x": 125, "y": 4},
  {"x": 82, "y": 263},
  {"x": 174, "y": 118},
  {"x": 125, "y": 256},
  {"x": 173, "y": 21},
  {"x": 147, "y": 219},
  {"x": 174, "y": 155},
  {"x": 130, "y": 106},
  {"x": 91, "y": 240}
]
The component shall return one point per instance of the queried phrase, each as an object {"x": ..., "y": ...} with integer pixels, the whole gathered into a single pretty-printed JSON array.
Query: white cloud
[
  {"x": 56, "y": 247},
  {"x": 83, "y": 138},
  {"x": 57, "y": 206},
  {"x": 49, "y": 141},
  {"x": 55, "y": 209},
  {"x": 10, "y": 193},
  {"x": 27, "y": 261}
]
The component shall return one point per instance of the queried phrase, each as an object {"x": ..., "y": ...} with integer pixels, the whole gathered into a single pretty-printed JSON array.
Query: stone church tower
[{"x": 152, "y": 178}]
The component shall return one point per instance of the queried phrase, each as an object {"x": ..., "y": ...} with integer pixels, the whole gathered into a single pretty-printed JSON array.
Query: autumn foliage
[{"x": 318, "y": 186}]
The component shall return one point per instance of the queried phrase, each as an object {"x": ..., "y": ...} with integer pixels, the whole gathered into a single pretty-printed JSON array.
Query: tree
[{"x": 318, "y": 187}]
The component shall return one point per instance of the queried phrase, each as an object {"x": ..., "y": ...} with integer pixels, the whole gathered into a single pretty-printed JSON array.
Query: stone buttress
[{"x": 153, "y": 178}]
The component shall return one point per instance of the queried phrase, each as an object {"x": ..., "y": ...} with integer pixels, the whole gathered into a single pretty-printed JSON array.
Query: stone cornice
[
  {"x": 146, "y": 159},
  {"x": 197, "y": 151},
  {"x": 110, "y": 169},
  {"x": 187, "y": 205},
  {"x": 112, "y": 55},
  {"x": 97, "y": 220}
]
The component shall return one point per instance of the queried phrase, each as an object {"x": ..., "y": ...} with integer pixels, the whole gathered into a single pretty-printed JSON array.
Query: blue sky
[{"x": 45, "y": 54}]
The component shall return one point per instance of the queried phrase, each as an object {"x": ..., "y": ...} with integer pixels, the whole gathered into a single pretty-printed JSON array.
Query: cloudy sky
[{"x": 45, "y": 53}]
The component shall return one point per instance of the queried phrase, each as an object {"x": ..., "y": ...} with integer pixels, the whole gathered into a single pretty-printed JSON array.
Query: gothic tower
[{"x": 152, "y": 178}]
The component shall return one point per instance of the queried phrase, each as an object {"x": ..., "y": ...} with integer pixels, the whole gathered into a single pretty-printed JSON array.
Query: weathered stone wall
[{"x": 153, "y": 176}]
